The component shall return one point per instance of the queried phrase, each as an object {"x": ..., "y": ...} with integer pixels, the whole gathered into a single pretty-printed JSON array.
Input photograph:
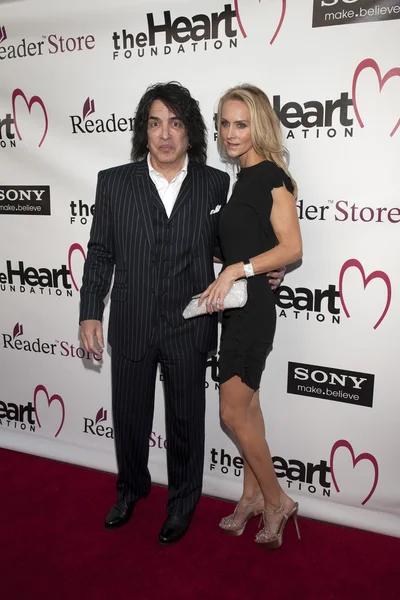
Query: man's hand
[
  {"x": 276, "y": 277},
  {"x": 92, "y": 336}
]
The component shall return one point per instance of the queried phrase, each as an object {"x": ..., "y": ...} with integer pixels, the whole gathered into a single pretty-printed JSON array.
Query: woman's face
[{"x": 235, "y": 129}]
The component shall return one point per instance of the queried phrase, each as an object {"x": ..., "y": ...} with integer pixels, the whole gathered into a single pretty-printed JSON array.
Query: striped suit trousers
[{"x": 133, "y": 385}]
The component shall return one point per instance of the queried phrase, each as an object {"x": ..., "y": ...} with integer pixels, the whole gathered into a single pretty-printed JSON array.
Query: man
[{"x": 155, "y": 228}]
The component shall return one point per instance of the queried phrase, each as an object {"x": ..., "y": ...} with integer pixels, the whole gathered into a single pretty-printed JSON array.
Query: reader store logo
[
  {"x": 46, "y": 412},
  {"x": 343, "y": 211},
  {"x": 19, "y": 342},
  {"x": 17, "y": 277},
  {"x": 53, "y": 43},
  {"x": 81, "y": 213},
  {"x": 166, "y": 33},
  {"x": 342, "y": 12},
  {"x": 109, "y": 124},
  {"x": 356, "y": 477},
  {"x": 100, "y": 426},
  {"x": 325, "y": 305},
  {"x": 27, "y": 121},
  {"x": 327, "y": 383},
  {"x": 25, "y": 200}
]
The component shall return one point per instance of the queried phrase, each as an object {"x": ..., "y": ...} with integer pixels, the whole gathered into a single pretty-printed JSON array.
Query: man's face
[{"x": 167, "y": 137}]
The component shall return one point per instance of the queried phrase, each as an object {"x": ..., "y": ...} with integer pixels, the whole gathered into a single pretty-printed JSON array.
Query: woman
[{"x": 259, "y": 231}]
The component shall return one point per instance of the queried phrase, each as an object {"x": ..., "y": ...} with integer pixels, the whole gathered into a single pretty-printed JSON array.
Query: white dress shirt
[{"x": 168, "y": 191}]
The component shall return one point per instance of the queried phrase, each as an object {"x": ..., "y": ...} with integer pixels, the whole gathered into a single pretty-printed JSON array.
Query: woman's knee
[{"x": 231, "y": 416}]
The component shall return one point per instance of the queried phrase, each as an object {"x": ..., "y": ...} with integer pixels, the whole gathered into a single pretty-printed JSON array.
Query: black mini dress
[{"x": 244, "y": 232}]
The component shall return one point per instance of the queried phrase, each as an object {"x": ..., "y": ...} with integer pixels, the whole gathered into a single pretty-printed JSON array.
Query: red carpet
[{"x": 54, "y": 546}]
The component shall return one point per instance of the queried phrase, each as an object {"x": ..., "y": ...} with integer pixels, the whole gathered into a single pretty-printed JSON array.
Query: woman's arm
[{"x": 286, "y": 226}]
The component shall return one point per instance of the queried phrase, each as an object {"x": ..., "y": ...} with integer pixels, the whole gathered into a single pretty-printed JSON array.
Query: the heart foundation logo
[
  {"x": 277, "y": 30},
  {"x": 356, "y": 460},
  {"x": 18, "y": 93},
  {"x": 370, "y": 63},
  {"x": 75, "y": 248},
  {"x": 50, "y": 399},
  {"x": 353, "y": 262}
]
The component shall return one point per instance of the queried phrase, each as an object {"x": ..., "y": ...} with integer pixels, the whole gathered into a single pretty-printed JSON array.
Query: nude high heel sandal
[
  {"x": 231, "y": 527},
  {"x": 272, "y": 541}
]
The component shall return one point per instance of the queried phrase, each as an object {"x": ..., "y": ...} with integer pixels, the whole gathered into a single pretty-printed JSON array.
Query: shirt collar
[{"x": 153, "y": 171}]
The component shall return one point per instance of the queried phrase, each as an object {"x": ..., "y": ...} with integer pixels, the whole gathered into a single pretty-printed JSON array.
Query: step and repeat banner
[{"x": 71, "y": 76}]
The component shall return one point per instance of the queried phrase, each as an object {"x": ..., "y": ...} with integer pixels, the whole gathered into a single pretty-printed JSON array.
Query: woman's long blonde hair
[{"x": 264, "y": 126}]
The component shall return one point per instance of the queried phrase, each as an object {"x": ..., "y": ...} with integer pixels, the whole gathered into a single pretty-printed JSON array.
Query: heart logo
[
  {"x": 356, "y": 460},
  {"x": 277, "y": 30},
  {"x": 34, "y": 100},
  {"x": 369, "y": 63},
  {"x": 3, "y": 34},
  {"x": 353, "y": 262},
  {"x": 72, "y": 249},
  {"x": 50, "y": 399}
]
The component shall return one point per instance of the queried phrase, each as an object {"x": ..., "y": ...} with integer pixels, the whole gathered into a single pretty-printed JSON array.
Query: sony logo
[
  {"x": 23, "y": 193},
  {"x": 319, "y": 376}
]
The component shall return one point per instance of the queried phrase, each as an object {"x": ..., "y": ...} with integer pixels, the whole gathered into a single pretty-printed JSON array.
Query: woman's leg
[
  {"x": 243, "y": 419},
  {"x": 251, "y": 487}
]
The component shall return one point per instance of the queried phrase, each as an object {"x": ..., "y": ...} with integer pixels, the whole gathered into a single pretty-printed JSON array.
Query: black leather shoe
[
  {"x": 119, "y": 514},
  {"x": 173, "y": 529}
]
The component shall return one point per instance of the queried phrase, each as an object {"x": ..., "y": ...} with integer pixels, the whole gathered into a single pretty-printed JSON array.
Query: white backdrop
[{"x": 70, "y": 81}]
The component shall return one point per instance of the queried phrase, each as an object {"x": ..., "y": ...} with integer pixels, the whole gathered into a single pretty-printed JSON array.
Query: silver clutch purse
[{"x": 235, "y": 298}]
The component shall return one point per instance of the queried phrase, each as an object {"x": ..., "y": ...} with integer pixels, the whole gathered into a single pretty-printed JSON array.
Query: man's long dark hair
[{"x": 179, "y": 101}]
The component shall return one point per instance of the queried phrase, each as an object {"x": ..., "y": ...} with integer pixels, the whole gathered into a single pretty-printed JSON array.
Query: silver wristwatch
[{"x": 248, "y": 269}]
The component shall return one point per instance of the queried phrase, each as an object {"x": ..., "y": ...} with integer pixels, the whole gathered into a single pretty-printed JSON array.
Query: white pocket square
[{"x": 215, "y": 210}]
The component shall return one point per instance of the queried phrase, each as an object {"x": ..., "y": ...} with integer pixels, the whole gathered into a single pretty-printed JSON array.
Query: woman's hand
[
  {"x": 276, "y": 277},
  {"x": 216, "y": 292}
]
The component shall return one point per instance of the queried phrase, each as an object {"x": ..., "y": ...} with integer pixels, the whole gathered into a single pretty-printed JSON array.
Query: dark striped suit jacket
[{"x": 122, "y": 242}]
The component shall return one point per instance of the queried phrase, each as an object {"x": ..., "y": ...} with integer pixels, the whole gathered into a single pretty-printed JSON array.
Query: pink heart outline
[
  {"x": 50, "y": 399},
  {"x": 282, "y": 18},
  {"x": 71, "y": 250},
  {"x": 356, "y": 460},
  {"x": 372, "y": 64},
  {"x": 34, "y": 100},
  {"x": 353, "y": 262}
]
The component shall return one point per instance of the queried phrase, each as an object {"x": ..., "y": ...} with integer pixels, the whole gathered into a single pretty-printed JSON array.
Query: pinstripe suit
[{"x": 158, "y": 264}]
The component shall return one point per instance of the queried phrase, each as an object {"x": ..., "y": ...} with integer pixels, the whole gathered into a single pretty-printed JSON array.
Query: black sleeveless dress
[{"x": 244, "y": 232}]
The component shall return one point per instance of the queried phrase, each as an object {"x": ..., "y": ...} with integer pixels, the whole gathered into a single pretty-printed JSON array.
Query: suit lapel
[
  {"x": 185, "y": 193},
  {"x": 199, "y": 200},
  {"x": 143, "y": 194}
]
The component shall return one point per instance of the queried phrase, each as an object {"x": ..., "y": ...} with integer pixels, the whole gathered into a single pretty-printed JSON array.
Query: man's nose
[{"x": 165, "y": 131}]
